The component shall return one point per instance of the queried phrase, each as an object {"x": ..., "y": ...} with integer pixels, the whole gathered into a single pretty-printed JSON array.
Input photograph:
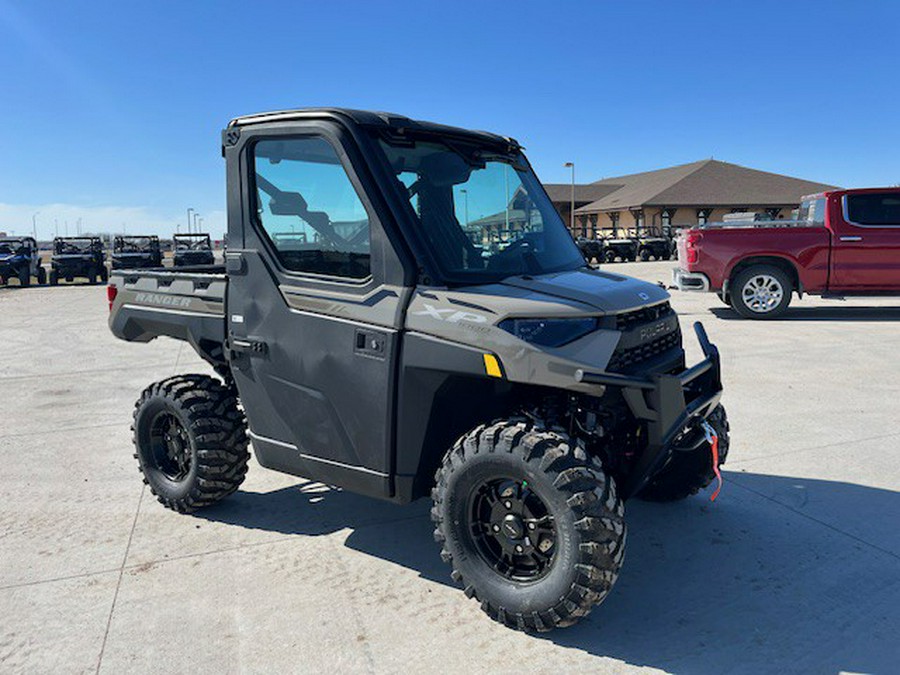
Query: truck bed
[{"x": 188, "y": 304}]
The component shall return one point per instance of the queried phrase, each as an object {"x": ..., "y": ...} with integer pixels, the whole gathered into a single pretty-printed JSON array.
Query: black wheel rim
[
  {"x": 170, "y": 446},
  {"x": 512, "y": 529}
]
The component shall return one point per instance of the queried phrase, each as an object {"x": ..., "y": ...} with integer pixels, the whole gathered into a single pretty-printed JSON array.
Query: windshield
[
  {"x": 484, "y": 215},
  {"x": 135, "y": 244},
  {"x": 9, "y": 247},
  {"x": 187, "y": 243},
  {"x": 74, "y": 245}
]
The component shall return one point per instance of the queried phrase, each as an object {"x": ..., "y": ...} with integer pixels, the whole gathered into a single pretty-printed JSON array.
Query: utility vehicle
[
  {"x": 136, "y": 251},
  {"x": 623, "y": 249},
  {"x": 591, "y": 249},
  {"x": 78, "y": 257},
  {"x": 842, "y": 243},
  {"x": 192, "y": 249},
  {"x": 658, "y": 248},
  {"x": 527, "y": 394},
  {"x": 20, "y": 259}
]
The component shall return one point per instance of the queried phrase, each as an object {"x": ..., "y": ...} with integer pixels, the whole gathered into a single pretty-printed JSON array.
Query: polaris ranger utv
[
  {"x": 20, "y": 259},
  {"x": 78, "y": 257},
  {"x": 383, "y": 352},
  {"x": 134, "y": 252},
  {"x": 192, "y": 249}
]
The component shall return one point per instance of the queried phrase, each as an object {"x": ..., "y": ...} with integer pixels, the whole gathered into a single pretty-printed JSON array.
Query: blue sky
[{"x": 111, "y": 111}]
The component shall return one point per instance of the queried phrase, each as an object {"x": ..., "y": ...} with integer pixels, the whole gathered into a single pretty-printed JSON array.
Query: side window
[
  {"x": 309, "y": 209},
  {"x": 874, "y": 209}
]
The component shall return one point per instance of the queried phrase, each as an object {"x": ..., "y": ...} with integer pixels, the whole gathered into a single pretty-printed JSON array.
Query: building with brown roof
[{"x": 656, "y": 202}]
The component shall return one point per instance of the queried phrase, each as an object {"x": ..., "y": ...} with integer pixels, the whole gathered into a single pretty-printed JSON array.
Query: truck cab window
[
  {"x": 874, "y": 209},
  {"x": 309, "y": 209}
]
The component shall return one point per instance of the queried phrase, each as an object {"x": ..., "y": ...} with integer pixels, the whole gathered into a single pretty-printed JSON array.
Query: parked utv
[
  {"x": 591, "y": 249},
  {"x": 658, "y": 248},
  {"x": 527, "y": 394},
  {"x": 78, "y": 257},
  {"x": 20, "y": 259},
  {"x": 620, "y": 249},
  {"x": 192, "y": 249},
  {"x": 134, "y": 252}
]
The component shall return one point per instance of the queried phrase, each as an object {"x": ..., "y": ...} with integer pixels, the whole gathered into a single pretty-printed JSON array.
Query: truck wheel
[
  {"x": 25, "y": 277},
  {"x": 761, "y": 292},
  {"x": 688, "y": 472},
  {"x": 190, "y": 440},
  {"x": 41, "y": 276},
  {"x": 104, "y": 275},
  {"x": 610, "y": 256},
  {"x": 645, "y": 255},
  {"x": 532, "y": 525},
  {"x": 92, "y": 279},
  {"x": 54, "y": 278}
]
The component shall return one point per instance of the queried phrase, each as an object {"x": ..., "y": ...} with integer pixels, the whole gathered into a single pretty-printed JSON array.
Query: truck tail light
[
  {"x": 691, "y": 240},
  {"x": 111, "y": 292}
]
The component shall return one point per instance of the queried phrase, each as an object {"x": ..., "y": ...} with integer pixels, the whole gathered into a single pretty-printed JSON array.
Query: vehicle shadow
[
  {"x": 820, "y": 314},
  {"x": 763, "y": 580}
]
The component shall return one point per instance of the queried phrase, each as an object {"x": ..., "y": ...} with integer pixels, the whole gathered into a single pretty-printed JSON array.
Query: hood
[{"x": 610, "y": 293}]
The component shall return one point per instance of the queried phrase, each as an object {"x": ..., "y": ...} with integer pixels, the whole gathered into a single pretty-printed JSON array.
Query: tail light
[
  {"x": 111, "y": 292},
  {"x": 691, "y": 240}
]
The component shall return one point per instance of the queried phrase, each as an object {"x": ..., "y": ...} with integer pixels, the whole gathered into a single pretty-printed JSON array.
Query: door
[
  {"x": 313, "y": 314},
  {"x": 866, "y": 242}
]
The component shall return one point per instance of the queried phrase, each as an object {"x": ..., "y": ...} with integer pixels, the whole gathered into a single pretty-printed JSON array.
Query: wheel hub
[
  {"x": 512, "y": 529},
  {"x": 170, "y": 446}
]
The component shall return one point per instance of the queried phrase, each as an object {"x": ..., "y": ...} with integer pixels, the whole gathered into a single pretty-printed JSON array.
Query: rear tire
[
  {"x": 24, "y": 277},
  {"x": 104, "y": 275},
  {"x": 610, "y": 256},
  {"x": 190, "y": 441},
  {"x": 54, "y": 278},
  {"x": 645, "y": 255},
  {"x": 689, "y": 472},
  {"x": 562, "y": 556},
  {"x": 761, "y": 292},
  {"x": 41, "y": 276}
]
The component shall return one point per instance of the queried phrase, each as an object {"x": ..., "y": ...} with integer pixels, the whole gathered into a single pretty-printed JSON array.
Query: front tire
[
  {"x": 531, "y": 524},
  {"x": 688, "y": 472},
  {"x": 24, "y": 277},
  {"x": 190, "y": 441},
  {"x": 41, "y": 276},
  {"x": 761, "y": 292},
  {"x": 54, "y": 278}
]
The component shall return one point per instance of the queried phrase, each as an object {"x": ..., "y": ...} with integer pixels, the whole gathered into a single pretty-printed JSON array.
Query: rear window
[
  {"x": 812, "y": 211},
  {"x": 875, "y": 208}
]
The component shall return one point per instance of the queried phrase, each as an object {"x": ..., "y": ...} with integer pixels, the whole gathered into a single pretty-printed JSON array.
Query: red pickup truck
[{"x": 843, "y": 243}]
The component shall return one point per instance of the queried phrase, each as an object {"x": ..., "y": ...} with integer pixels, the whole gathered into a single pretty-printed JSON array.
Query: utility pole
[
  {"x": 34, "y": 225},
  {"x": 571, "y": 165}
]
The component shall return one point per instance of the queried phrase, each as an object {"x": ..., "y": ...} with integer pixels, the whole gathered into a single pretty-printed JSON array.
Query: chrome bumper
[{"x": 690, "y": 281}]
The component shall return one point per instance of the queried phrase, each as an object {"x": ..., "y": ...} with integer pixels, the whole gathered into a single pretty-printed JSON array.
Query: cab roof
[{"x": 373, "y": 119}]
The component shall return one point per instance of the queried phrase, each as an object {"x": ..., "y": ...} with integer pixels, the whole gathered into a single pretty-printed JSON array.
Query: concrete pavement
[{"x": 795, "y": 568}]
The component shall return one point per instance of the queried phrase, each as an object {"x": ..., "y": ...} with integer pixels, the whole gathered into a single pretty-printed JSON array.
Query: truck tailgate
[{"x": 184, "y": 305}]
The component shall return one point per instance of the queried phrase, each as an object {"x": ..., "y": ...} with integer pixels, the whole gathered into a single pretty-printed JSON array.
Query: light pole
[
  {"x": 34, "y": 225},
  {"x": 465, "y": 194},
  {"x": 199, "y": 222},
  {"x": 196, "y": 218},
  {"x": 189, "y": 219},
  {"x": 571, "y": 165}
]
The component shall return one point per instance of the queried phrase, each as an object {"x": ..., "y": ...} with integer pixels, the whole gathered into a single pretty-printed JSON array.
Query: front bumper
[
  {"x": 689, "y": 281},
  {"x": 670, "y": 405}
]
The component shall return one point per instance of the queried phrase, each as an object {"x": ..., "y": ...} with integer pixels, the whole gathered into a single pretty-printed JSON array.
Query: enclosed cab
[
  {"x": 381, "y": 340},
  {"x": 189, "y": 250},
  {"x": 136, "y": 252},
  {"x": 78, "y": 257},
  {"x": 20, "y": 259}
]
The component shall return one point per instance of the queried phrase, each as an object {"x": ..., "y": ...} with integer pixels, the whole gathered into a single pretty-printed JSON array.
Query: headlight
[{"x": 549, "y": 332}]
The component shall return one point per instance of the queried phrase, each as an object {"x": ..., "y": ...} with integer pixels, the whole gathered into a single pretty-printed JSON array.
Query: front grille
[
  {"x": 623, "y": 359},
  {"x": 629, "y": 320}
]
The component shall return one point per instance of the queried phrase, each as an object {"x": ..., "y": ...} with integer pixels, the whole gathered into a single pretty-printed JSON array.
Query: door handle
[
  {"x": 370, "y": 343},
  {"x": 851, "y": 238},
  {"x": 252, "y": 347}
]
